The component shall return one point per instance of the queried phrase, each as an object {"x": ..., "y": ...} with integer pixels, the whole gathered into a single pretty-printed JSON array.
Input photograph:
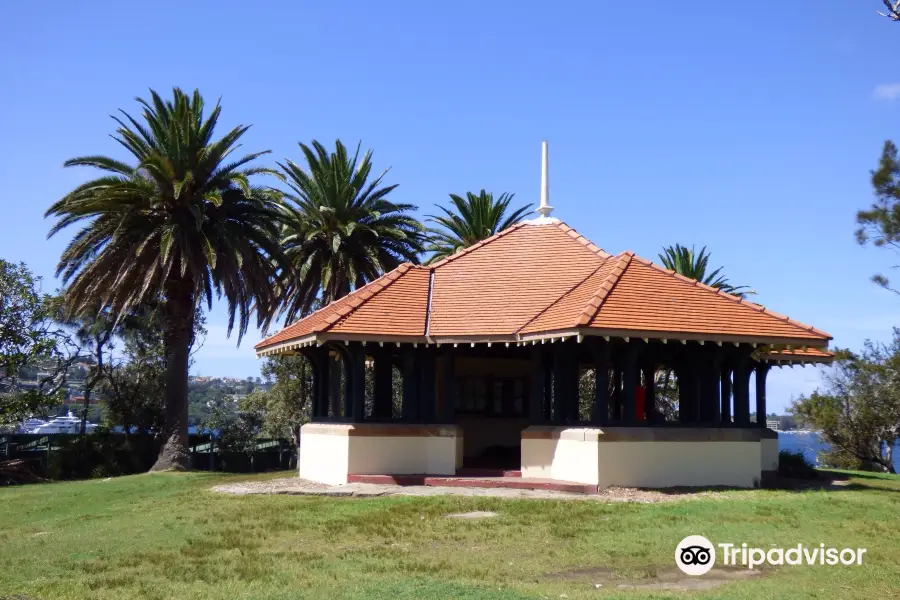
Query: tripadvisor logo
[{"x": 696, "y": 555}]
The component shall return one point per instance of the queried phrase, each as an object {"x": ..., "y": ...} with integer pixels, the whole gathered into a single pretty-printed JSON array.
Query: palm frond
[
  {"x": 341, "y": 231},
  {"x": 689, "y": 263},
  {"x": 468, "y": 221}
]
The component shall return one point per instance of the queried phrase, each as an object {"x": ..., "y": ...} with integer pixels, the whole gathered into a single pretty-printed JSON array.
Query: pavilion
[{"x": 483, "y": 358}]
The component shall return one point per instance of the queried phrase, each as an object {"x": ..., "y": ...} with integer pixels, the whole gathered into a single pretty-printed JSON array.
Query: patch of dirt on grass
[
  {"x": 295, "y": 485},
  {"x": 285, "y": 485},
  {"x": 656, "y": 579},
  {"x": 477, "y": 514}
]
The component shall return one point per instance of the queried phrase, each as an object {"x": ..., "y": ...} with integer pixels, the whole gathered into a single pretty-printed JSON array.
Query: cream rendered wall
[
  {"x": 769, "y": 453},
  {"x": 397, "y": 455},
  {"x": 643, "y": 457},
  {"x": 331, "y": 452},
  {"x": 566, "y": 454},
  {"x": 324, "y": 453},
  {"x": 657, "y": 464},
  {"x": 537, "y": 458}
]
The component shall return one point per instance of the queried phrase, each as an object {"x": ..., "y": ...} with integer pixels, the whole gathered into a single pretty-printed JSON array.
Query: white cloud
[{"x": 886, "y": 91}]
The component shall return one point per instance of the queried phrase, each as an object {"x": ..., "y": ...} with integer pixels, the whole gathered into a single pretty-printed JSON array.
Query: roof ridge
[
  {"x": 561, "y": 296},
  {"x": 476, "y": 246},
  {"x": 583, "y": 240},
  {"x": 372, "y": 288},
  {"x": 751, "y": 305},
  {"x": 596, "y": 302}
]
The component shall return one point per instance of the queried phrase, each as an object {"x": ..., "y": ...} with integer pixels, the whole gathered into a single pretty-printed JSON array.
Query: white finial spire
[{"x": 545, "y": 209}]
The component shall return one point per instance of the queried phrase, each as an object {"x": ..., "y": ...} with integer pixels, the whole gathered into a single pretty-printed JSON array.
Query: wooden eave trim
[{"x": 287, "y": 345}]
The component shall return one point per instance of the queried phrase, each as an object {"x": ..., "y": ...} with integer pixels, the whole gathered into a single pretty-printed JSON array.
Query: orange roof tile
[
  {"x": 650, "y": 298},
  {"x": 499, "y": 287},
  {"x": 339, "y": 311},
  {"x": 808, "y": 354},
  {"x": 538, "y": 279}
]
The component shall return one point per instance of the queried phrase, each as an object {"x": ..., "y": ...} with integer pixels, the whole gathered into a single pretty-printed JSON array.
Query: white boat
[
  {"x": 67, "y": 424},
  {"x": 28, "y": 424}
]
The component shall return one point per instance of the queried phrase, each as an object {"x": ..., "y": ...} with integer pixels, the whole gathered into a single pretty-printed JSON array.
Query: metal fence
[{"x": 68, "y": 456}]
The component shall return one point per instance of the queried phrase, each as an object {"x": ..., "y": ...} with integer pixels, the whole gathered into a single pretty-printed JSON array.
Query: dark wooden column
[
  {"x": 685, "y": 376},
  {"x": 716, "y": 390},
  {"x": 449, "y": 387},
  {"x": 615, "y": 408},
  {"x": 651, "y": 414},
  {"x": 762, "y": 370},
  {"x": 573, "y": 370},
  {"x": 382, "y": 407},
  {"x": 710, "y": 402},
  {"x": 565, "y": 383},
  {"x": 547, "y": 406},
  {"x": 336, "y": 371},
  {"x": 558, "y": 410},
  {"x": 725, "y": 389},
  {"x": 629, "y": 382},
  {"x": 318, "y": 359},
  {"x": 427, "y": 379},
  {"x": 600, "y": 354},
  {"x": 409, "y": 367},
  {"x": 355, "y": 367},
  {"x": 536, "y": 386},
  {"x": 742, "y": 390}
]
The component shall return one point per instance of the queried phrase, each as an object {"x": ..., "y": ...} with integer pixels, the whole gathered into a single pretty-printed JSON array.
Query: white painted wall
[
  {"x": 669, "y": 464},
  {"x": 395, "y": 455},
  {"x": 769, "y": 453},
  {"x": 583, "y": 455},
  {"x": 324, "y": 453},
  {"x": 569, "y": 455},
  {"x": 331, "y": 452}
]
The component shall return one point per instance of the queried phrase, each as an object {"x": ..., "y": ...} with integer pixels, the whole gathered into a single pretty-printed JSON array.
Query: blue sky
[{"x": 747, "y": 127}]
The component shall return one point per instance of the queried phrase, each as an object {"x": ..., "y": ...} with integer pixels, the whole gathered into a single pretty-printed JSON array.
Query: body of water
[{"x": 810, "y": 444}]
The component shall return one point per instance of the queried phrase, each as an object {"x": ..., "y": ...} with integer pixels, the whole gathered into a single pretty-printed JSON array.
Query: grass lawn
[{"x": 167, "y": 536}]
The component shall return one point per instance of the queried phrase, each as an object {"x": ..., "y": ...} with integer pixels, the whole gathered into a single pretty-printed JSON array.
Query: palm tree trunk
[{"x": 179, "y": 325}]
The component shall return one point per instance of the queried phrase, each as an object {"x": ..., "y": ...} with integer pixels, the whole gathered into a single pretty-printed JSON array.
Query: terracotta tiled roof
[
  {"x": 650, "y": 298},
  {"x": 339, "y": 311},
  {"x": 499, "y": 287},
  {"x": 808, "y": 354},
  {"x": 533, "y": 280}
]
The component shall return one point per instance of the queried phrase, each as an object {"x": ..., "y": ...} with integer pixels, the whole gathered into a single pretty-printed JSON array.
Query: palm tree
[
  {"x": 685, "y": 261},
  {"x": 475, "y": 218},
  {"x": 177, "y": 226},
  {"x": 342, "y": 231}
]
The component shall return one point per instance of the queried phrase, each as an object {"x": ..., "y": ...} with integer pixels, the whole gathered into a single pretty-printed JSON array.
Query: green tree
[
  {"x": 178, "y": 225},
  {"x": 686, "y": 261},
  {"x": 342, "y": 231},
  {"x": 94, "y": 330},
  {"x": 29, "y": 337},
  {"x": 132, "y": 382},
  {"x": 286, "y": 405},
  {"x": 858, "y": 412},
  {"x": 468, "y": 221},
  {"x": 236, "y": 430},
  {"x": 880, "y": 224}
]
